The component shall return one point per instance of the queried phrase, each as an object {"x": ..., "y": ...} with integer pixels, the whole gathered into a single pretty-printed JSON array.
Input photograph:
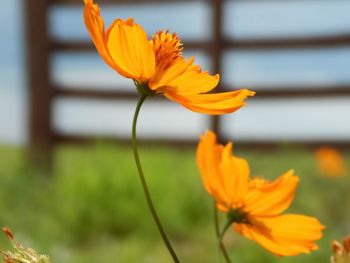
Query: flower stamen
[{"x": 167, "y": 49}]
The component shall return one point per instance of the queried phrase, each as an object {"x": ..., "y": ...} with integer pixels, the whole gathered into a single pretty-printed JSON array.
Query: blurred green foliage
[{"x": 91, "y": 208}]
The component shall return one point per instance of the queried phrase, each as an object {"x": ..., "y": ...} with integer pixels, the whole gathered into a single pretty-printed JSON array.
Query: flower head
[
  {"x": 341, "y": 252},
  {"x": 157, "y": 65},
  {"x": 330, "y": 161},
  {"x": 255, "y": 205}
]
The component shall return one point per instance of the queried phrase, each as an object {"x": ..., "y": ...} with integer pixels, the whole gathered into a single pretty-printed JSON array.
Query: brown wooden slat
[
  {"x": 290, "y": 43},
  {"x": 287, "y": 43},
  {"x": 128, "y": 2},
  {"x": 266, "y": 1},
  {"x": 300, "y": 92},
  {"x": 100, "y": 94},
  {"x": 191, "y": 143},
  {"x": 263, "y": 145},
  {"x": 78, "y": 139},
  {"x": 71, "y": 45},
  {"x": 131, "y": 2},
  {"x": 261, "y": 92},
  {"x": 82, "y": 46}
]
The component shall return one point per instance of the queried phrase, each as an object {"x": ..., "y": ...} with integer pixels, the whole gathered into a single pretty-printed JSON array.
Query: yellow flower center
[{"x": 167, "y": 49}]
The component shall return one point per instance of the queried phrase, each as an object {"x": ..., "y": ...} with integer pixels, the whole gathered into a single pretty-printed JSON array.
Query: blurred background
[{"x": 56, "y": 92}]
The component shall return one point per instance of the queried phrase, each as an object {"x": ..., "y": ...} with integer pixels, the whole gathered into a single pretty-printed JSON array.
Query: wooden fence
[{"x": 43, "y": 91}]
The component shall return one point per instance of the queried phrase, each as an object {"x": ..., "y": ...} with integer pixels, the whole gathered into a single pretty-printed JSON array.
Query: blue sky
[{"x": 191, "y": 21}]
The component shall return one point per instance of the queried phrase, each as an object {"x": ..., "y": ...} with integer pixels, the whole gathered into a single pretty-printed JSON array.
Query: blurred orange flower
[
  {"x": 254, "y": 205},
  {"x": 157, "y": 66},
  {"x": 330, "y": 161}
]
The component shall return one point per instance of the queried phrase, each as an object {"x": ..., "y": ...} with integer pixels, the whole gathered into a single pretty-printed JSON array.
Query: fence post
[
  {"x": 217, "y": 54},
  {"x": 38, "y": 74}
]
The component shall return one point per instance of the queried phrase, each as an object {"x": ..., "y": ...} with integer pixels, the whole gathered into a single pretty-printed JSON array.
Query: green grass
[{"x": 91, "y": 209}]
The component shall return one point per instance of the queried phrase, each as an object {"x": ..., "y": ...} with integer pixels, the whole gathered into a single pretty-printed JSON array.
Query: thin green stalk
[
  {"x": 221, "y": 244},
  {"x": 217, "y": 228},
  {"x": 216, "y": 220},
  {"x": 144, "y": 184}
]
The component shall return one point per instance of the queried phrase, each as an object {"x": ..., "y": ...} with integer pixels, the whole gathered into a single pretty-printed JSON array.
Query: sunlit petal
[
  {"x": 208, "y": 159},
  {"x": 285, "y": 235},
  {"x": 214, "y": 104},
  {"x": 273, "y": 198},
  {"x": 128, "y": 46}
]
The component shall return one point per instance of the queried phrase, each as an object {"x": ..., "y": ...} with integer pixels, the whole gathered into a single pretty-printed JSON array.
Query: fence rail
[
  {"x": 334, "y": 41},
  {"x": 262, "y": 93}
]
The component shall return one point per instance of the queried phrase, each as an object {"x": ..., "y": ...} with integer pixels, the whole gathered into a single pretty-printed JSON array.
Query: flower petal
[
  {"x": 208, "y": 160},
  {"x": 95, "y": 25},
  {"x": 128, "y": 46},
  {"x": 124, "y": 46},
  {"x": 193, "y": 81},
  {"x": 235, "y": 174},
  {"x": 215, "y": 104},
  {"x": 271, "y": 199},
  {"x": 163, "y": 77},
  {"x": 225, "y": 177},
  {"x": 285, "y": 235}
]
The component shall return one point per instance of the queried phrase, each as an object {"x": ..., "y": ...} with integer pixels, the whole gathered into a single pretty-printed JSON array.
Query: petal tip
[{"x": 248, "y": 92}]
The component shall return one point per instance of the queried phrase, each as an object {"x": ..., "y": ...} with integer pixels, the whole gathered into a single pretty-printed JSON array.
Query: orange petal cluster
[
  {"x": 255, "y": 205},
  {"x": 330, "y": 162},
  {"x": 158, "y": 65}
]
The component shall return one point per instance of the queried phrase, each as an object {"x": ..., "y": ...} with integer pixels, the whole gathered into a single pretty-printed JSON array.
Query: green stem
[
  {"x": 143, "y": 181},
  {"x": 216, "y": 220},
  {"x": 217, "y": 228},
  {"x": 221, "y": 244}
]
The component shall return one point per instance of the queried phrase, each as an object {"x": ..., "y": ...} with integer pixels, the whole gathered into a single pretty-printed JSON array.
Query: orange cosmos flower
[
  {"x": 157, "y": 66},
  {"x": 330, "y": 161},
  {"x": 255, "y": 205}
]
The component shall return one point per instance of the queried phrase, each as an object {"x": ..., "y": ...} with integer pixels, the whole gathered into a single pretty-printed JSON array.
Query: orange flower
[
  {"x": 157, "y": 66},
  {"x": 254, "y": 205},
  {"x": 330, "y": 161}
]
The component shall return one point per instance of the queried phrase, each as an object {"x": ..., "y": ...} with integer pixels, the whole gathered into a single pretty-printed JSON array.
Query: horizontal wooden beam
[
  {"x": 329, "y": 41},
  {"x": 274, "y": 1},
  {"x": 59, "y": 138},
  {"x": 301, "y": 92},
  {"x": 243, "y": 44},
  {"x": 80, "y": 139},
  {"x": 98, "y": 93},
  {"x": 266, "y": 144},
  {"x": 101, "y": 94},
  {"x": 261, "y": 92},
  {"x": 83, "y": 46},
  {"x": 128, "y": 2}
]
